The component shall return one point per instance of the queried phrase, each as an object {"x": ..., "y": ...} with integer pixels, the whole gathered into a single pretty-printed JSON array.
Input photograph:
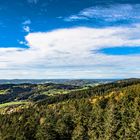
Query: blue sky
[{"x": 69, "y": 39}]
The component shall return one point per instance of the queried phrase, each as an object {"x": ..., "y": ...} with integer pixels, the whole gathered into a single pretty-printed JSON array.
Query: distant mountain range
[{"x": 57, "y": 81}]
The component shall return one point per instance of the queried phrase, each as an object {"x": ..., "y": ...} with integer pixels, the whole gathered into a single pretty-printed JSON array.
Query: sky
[{"x": 69, "y": 39}]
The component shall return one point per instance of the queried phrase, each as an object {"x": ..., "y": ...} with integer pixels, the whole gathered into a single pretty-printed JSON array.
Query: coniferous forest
[{"x": 104, "y": 112}]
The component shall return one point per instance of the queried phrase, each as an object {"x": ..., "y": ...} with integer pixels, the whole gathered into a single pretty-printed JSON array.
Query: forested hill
[
  {"x": 105, "y": 112},
  {"x": 92, "y": 91}
]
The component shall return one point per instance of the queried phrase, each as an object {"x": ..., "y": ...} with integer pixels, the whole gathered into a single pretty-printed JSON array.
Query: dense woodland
[{"x": 105, "y": 112}]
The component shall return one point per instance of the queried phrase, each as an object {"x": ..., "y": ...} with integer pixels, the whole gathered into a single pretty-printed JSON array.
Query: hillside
[
  {"x": 108, "y": 111},
  {"x": 32, "y": 92}
]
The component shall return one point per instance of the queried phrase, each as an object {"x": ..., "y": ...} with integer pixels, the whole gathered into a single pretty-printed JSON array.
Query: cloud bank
[{"x": 73, "y": 53}]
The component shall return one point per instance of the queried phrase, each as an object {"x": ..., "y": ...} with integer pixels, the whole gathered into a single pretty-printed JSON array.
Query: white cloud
[
  {"x": 27, "y": 22},
  {"x": 73, "y": 53},
  {"x": 109, "y": 13},
  {"x": 22, "y": 42},
  {"x": 26, "y": 28}
]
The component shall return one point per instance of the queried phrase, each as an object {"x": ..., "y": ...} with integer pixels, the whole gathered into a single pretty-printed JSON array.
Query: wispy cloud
[
  {"x": 109, "y": 13},
  {"x": 73, "y": 53},
  {"x": 27, "y": 22},
  {"x": 76, "y": 17}
]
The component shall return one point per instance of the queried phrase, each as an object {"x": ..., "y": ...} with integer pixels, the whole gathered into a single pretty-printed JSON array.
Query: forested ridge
[{"x": 105, "y": 112}]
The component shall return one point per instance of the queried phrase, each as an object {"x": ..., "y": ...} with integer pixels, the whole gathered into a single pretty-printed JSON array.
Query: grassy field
[
  {"x": 54, "y": 92},
  {"x": 12, "y": 103},
  {"x": 3, "y": 91}
]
